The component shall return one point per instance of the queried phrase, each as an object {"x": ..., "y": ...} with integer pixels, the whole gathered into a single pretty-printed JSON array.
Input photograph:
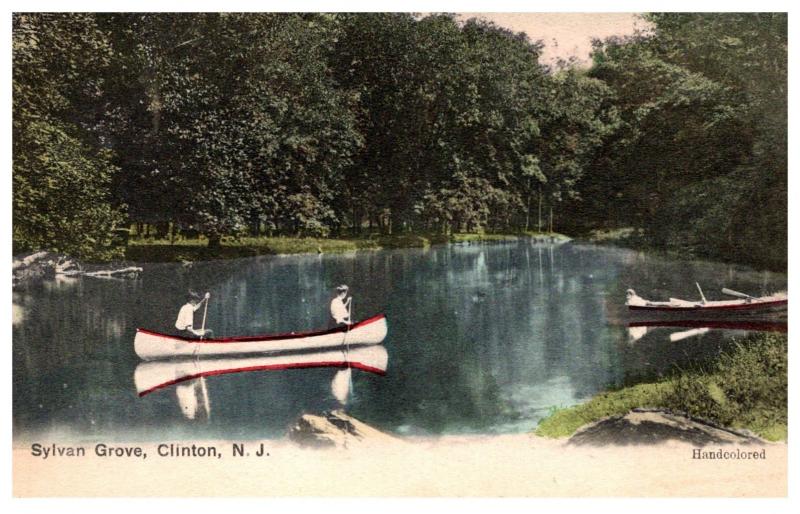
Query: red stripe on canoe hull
[
  {"x": 267, "y": 367},
  {"x": 272, "y": 337}
]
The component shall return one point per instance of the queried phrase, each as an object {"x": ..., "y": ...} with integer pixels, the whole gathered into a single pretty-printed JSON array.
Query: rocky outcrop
[
  {"x": 652, "y": 426},
  {"x": 335, "y": 429}
]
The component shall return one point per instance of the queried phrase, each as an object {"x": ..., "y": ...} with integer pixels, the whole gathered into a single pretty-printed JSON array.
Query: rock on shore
[
  {"x": 653, "y": 426},
  {"x": 335, "y": 429},
  {"x": 638, "y": 427}
]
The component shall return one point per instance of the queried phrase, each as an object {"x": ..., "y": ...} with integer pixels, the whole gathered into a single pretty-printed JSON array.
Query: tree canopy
[
  {"x": 227, "y": 124},
  {"x": 699, "y": 158},
  {"x": 62, "y": 170}
]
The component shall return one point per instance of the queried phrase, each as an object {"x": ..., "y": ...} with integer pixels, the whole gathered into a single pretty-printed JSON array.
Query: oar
[
  {"x": 347, "y": 345},
  {"x": 737, "y": 294},
  {"x": 701, "y": 292},
  {"x": 678, "y": 336},
  {"x": 204, "y": 391},
  {"x": 205, "y": 311}
]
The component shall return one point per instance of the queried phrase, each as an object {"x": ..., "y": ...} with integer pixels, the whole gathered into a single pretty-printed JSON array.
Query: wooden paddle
[
  {"x": 347, "y": 346},
  {"x": 205, "y": 311}
]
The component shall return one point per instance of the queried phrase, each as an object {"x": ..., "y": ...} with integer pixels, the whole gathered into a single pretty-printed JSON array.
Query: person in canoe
[
  {"x": 340, "y": 308},
  {"x": 185, "y": 321}
]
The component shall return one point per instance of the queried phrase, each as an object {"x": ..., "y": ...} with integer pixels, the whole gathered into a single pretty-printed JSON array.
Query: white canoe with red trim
[
  {"x": 155, "y": 375},
  {"x": 151, "y": 345},
  {"x": 769, "y": 307}
]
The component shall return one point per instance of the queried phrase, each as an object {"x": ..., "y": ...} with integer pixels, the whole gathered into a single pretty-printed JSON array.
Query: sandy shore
[{"x": 512, "y": 465}]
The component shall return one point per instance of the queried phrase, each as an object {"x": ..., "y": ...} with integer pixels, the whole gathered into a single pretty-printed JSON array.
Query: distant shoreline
[{"x": 162, "y": 250}]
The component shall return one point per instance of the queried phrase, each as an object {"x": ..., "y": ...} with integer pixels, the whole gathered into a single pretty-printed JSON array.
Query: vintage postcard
[{"x": 400, "y": 254}]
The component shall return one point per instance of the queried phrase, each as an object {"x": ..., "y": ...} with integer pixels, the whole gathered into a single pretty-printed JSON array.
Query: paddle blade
[
  {"x": 340, "y": 385},
  {"x": 737, "y": 294},
  {"x": 679, "y": 336},
  {"x": 636, "y": 333}
]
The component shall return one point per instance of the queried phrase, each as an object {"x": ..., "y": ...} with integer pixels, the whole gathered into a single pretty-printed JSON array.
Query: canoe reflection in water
[
  {"x": 188, "y": 375},
  {"x": 193, "y": 399},
  {"x": 678, "y": 330}
]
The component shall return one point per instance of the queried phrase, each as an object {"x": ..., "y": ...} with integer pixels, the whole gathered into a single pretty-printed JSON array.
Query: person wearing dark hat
[
  {"x": 340, "y": 308},
  {"x": 185, "y": 321}
]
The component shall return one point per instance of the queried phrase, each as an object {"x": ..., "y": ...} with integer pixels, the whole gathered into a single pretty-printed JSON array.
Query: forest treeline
[{"x": 336, "y": 124}]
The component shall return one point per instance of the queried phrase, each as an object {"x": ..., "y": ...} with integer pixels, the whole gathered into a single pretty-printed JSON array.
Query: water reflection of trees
[
  {"x": 58, "y": 320},
  {"x": 504, "y": 319},
  {"x": 436, "y": 383}
]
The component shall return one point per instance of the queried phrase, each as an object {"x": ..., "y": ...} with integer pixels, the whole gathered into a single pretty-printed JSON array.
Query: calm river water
[{"x": 482, "y": 339}]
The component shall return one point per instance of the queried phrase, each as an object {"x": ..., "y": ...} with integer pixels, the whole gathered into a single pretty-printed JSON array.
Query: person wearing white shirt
[
  {"x": 185, "y": 321},
  {"x": 340, "y": 308}
]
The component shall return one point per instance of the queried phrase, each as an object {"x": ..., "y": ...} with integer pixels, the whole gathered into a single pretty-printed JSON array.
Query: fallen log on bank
[
  {"x": 47, "y": 265},
  {"x": 127, "y": 272}
]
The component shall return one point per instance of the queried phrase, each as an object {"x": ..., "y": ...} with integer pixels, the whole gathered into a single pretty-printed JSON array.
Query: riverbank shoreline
[
  {"x": 634, "y": 239},
  {"x": 164, "y": 250},
  {"x": 453, "y": 466},
  {"x": 746, "y": 389},
  {"x": 44, "y": 263}
]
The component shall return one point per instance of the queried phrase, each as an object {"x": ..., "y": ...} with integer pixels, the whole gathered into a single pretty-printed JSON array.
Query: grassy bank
[
  {"x": 162, "y": 250},
  {"x": 619, "y": 236},
  {"x": 747, "y": 389}
]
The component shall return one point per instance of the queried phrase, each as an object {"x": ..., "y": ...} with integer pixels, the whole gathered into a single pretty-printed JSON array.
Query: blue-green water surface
[{"x": 483, "y": 338}]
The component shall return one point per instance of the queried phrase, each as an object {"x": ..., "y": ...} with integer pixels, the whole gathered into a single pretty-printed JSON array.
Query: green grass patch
[
  {"x": 547, "y": 236},
  {"x": 482, "y": 237},
  {"x": 163, "y": 250},
  {"x": 403, "y": 241},
  {"x": 463, "y": 238},
  {"x": 614, "y": 235},
  {"x": 745, "y": 389},
  {"x": 564, "y": 422},
  {"x": 160, "y": 250}
]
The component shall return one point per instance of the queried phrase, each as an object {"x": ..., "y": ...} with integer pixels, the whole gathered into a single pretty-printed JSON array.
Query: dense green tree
[
  {"x": 747, "y": 53},
  {"x": 61, "y": 171},
  {"x": 702, "y": 140},
  {"x": 449, "y": 115},
  {"x": 677, "y": 127},
  {"x": 379, "y": 57},
  {"x": 243, "y": 120},
  {"x": 579, "y": 118}
]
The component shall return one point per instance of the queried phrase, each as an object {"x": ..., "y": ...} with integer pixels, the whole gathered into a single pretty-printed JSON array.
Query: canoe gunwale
[{"x": 707, "y": 308}]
